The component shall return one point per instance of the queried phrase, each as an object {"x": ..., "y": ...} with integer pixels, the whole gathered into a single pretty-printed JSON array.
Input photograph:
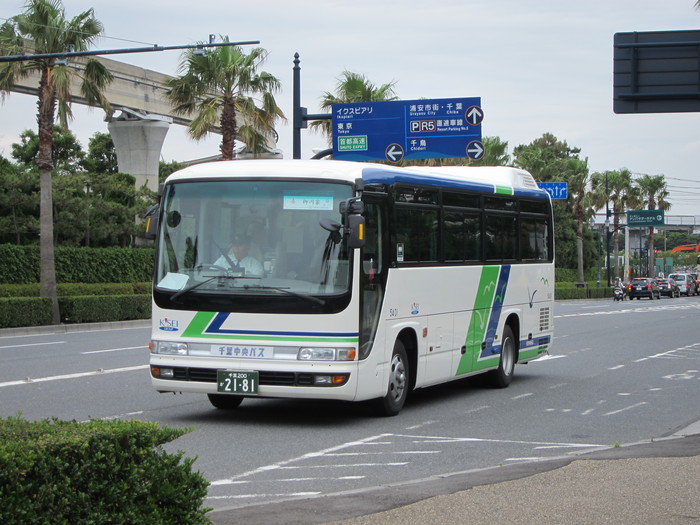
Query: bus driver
[{"x": 239, "y": 259}]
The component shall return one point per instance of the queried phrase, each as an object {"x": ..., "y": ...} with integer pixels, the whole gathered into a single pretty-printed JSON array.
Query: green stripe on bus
[
  {"x": 199, "y": 323},
  {"x": 505, "y": 190},
  {"x": 480, "y": 317}
]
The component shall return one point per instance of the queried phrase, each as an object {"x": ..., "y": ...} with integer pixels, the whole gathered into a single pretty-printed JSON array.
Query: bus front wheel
[
  {"x": 397, "y": 391},
  {"x": 503, "y": 375},
  {"x": 225, "y": 401}
]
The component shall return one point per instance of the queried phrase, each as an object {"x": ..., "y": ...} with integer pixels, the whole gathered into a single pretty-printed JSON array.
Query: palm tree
[
  {"x": 621, "y": 192},
  {"x": 653, "y": 193},
  {"x": 352, "y": 87},
  {"x": 44, "y": 29},
  {"x": 578, "y": 178},
  {"x": 216, "y": 84}
]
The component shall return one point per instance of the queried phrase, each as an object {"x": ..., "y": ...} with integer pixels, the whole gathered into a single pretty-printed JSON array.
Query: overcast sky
[{"x": 539, "y": 66}]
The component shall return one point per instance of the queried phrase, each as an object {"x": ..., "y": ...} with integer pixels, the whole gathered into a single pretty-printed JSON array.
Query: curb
[{"x": 69, "y": 328}]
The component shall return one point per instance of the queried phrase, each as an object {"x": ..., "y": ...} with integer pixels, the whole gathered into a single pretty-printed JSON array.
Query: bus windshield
[{"x": 251, "y": 238}]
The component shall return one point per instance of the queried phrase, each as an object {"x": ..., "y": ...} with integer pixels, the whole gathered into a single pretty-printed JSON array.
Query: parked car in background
[
  {"x": 697, "y": 283},
  {"x": 686, "y": 283},
  {"x": 668, "y": 287},
  {"x": 643, "y": 287}
]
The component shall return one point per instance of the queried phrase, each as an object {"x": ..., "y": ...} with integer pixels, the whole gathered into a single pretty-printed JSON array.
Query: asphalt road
[{"x": 618, "y": 373}]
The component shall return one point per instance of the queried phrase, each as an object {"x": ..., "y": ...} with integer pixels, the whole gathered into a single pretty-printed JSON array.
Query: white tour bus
[{"x": 367, "y": 281}]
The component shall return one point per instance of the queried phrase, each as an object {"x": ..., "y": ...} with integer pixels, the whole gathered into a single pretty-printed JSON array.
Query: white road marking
[
  {"x": 625, "y": 409},
  {"x": 100, "y": 371},
  {"x": 34, "y": 344},
  {"x": 114, "y": 350},
  {"x": 424, "y": 424},
  {"x": 547, "y": 358},
  {"x": 522, "y": 396},
  {"x": 249, "y": 496}
]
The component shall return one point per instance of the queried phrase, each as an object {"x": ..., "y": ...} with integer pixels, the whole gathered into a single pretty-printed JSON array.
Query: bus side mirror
[
  {"x": 151, "y": 219},
  {"x": 355, "y": 229}
]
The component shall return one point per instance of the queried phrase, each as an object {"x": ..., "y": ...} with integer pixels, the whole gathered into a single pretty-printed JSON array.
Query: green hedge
[
  {"x": 24, "y": 311},
  {"x": 20, "y": 264},
  {"x": 70, "y": 289},
  {"x": 95, "y": 309},
  {"x": 562, "y": 292},
  {"x": 96, "y": 472},
  {"x": 36, "y": 311}
]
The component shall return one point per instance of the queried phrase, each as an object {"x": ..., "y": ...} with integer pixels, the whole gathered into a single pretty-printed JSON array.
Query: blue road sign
[
  {"x": 556, "y": 190},
  {"x": 408, "y": 129}
]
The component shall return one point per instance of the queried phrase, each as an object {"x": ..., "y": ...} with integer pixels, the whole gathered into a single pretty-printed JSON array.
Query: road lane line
[
  {"x": 522, "y": 396},
  {"x": 626, "y": 408},
  {"x": 30, "y": 380},
  {"x": 34, "y": 344},
  {"x": 250, "y": 496},
  {"x": 114, "y": 349}
]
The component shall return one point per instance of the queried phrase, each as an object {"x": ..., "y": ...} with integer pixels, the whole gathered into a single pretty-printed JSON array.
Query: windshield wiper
[
  {"x": 287, "y": 291},
  {"x": 188, "y": 289},
  {"x": 284, "y": 290}
]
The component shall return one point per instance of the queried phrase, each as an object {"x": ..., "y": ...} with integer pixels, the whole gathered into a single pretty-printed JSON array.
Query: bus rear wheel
[
  {"x": 397, "y": 391},
  {"x": 225, "y": 401},
  {"x": 503, "y": 375}
]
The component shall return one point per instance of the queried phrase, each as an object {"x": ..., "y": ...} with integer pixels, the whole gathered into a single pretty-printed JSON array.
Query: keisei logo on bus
[{"x": 169, "y": 325}]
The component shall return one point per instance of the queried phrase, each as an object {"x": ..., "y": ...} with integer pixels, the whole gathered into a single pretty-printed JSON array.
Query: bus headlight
[
  {"x": 170, "y": 348},
  {"x": 326, "y": 354}
]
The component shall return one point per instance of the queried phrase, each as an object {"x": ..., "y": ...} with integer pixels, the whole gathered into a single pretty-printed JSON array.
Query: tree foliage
[
  {"x": 42, "y": 31},
  {"x": 550, "y": 160},
  {"x": 352, "y": 87},
  {"x": 94, "y": 205},
  {"x": 218, "y": 86}
]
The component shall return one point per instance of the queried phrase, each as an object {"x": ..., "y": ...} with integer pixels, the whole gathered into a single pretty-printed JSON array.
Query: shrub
[
  {"x": 94, "y": 308},
  {"x": 24, "y": 311},
  {"x": 20, "y": 264},
  {"x": 97, "y": 472},
  {"x": 69, "y": 289}
]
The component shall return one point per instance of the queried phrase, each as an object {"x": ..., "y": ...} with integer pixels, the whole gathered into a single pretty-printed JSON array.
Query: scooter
[{"x": 619, "y": 293}]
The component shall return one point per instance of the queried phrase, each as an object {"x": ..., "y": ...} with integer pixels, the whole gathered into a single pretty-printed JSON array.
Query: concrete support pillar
[{"x": 138, "y": 139}]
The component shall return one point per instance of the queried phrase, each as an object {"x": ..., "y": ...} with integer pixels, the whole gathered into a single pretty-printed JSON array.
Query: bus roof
[{"x": 490, "y": 179}]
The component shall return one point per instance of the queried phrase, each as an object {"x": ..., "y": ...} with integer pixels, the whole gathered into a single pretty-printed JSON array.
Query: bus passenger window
[{"x": 417, "y": 230}]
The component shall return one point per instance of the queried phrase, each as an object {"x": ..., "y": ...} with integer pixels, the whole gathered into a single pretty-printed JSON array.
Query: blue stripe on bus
[
  {"x": 496, "y": 310},
  {"x": 375, "y": 175}
]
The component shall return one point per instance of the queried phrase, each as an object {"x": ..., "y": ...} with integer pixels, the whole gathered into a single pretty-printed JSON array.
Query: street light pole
[
  {"x": 597, "y": 236},
  {"x": 607, "y": 227}
]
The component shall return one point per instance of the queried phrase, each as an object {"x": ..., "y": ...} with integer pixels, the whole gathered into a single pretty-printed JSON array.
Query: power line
[{"x": 89, "y": 34}]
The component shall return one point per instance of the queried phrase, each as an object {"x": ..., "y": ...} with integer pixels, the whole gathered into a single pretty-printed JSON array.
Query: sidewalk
[{"x": 655, "y": 482}]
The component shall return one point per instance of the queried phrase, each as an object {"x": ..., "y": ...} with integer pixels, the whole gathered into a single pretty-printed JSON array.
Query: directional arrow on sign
[
  {"x": 394, "y": 152},
  {"x": 475, "y": 150},
  {"x": 475, "y": 115}
]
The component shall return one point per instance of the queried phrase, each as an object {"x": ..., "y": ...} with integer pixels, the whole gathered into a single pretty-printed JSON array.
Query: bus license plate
[{"x": 234, "y": 382}]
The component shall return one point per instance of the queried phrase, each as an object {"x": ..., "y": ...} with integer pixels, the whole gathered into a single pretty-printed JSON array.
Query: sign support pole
[{"x": 300, "y": 116}]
